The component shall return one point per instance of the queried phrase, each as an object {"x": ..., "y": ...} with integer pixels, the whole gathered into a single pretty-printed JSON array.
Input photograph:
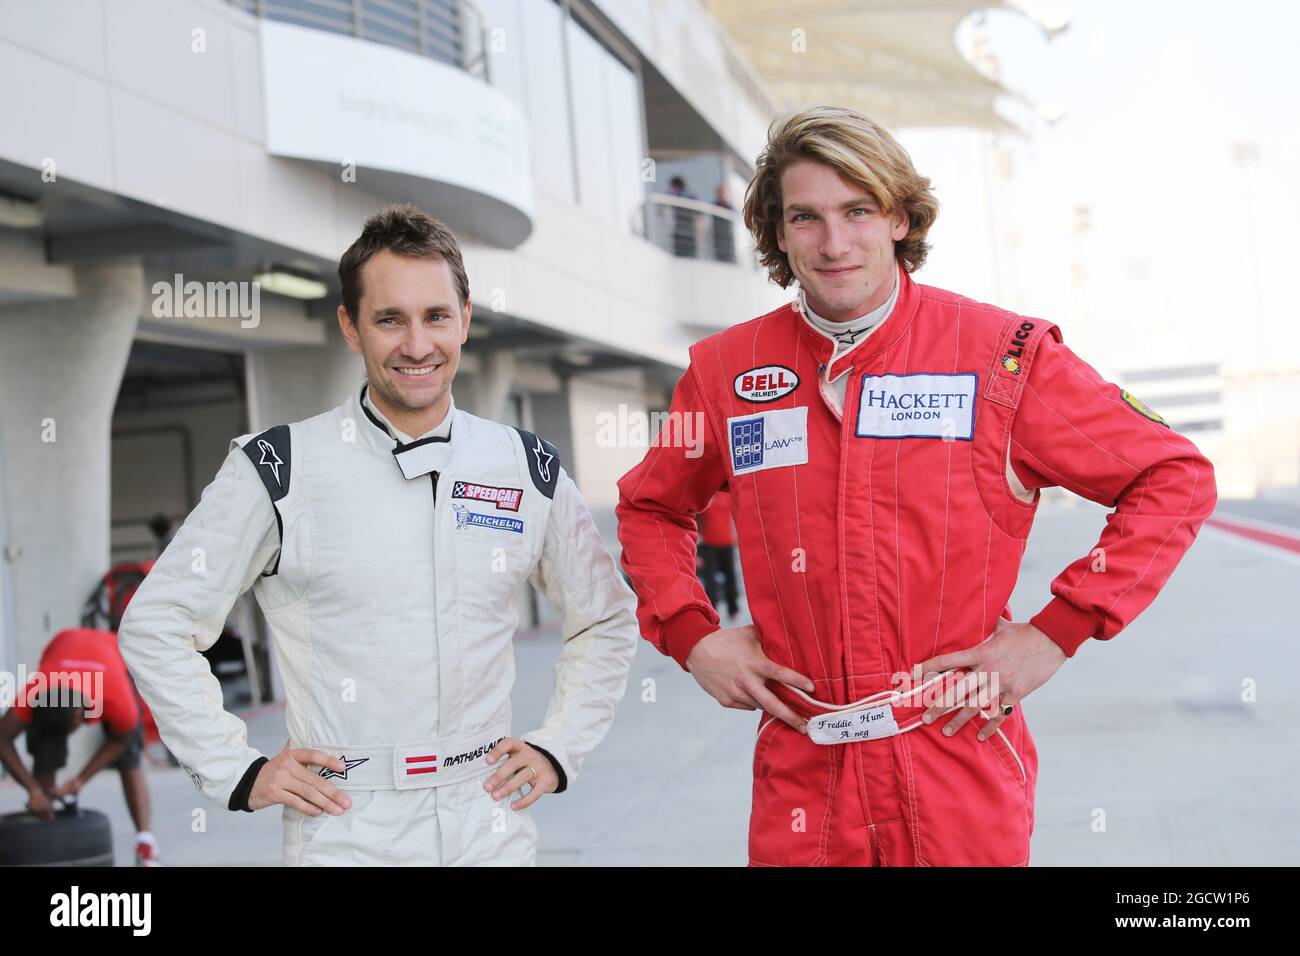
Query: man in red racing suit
[{"x": 884, "y": 493}]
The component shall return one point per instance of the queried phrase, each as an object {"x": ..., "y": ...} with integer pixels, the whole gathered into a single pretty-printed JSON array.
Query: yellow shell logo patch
[{"x": 1142, "y": 408}]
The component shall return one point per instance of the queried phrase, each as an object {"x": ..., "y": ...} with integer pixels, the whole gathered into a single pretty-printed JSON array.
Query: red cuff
[
  {"x": 684, "y": 630},
  {"x": 1065, "y": 624}
]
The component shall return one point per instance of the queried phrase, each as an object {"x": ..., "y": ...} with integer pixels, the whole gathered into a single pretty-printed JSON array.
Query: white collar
[
  {"x": 442, "y": 430},
  {"x": 849, "y": 334}
]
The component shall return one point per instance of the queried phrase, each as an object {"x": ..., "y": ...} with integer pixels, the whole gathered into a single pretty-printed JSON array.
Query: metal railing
[
  {"x": 693, "y": 229},
  {"x": 450, "y": 31}
]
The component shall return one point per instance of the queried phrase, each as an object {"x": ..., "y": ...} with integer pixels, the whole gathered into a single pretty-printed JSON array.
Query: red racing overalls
[{"x": 879, "y": 536}]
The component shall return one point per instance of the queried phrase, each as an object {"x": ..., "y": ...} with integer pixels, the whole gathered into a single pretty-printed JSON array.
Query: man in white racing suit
[{"x": 388, "y": 567}]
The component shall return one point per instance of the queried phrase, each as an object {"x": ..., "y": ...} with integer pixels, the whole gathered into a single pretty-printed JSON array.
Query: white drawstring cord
[{"x": 887, "y": 697}]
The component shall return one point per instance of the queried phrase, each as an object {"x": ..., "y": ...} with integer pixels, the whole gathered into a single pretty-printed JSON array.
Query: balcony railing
[
  {"x": 450, "y": 31},
  {"x": 693, "y": 229}
]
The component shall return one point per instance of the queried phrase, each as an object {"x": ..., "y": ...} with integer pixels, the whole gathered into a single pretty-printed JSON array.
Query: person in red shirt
[
  {"x": 718, "y": 553},
  {"x": 885, "y": 443},
  {"x": 81, "y": 678}
]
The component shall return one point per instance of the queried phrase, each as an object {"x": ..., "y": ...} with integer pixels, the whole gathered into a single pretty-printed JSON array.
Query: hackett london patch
[
  {"x": 920, "y": 405},
  {"x": 768, "y": 440}
]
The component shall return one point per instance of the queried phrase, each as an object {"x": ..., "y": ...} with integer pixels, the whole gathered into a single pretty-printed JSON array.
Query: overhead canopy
[{"x": 895, "y": 60}]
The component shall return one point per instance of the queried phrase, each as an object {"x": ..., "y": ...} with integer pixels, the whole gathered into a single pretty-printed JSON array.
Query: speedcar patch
[
  {"x": 506, "y": 499},
  {"x": 766, "y": 383},
  {"x": 921, "y": 405},
  {"x": 773, "y": 439}
]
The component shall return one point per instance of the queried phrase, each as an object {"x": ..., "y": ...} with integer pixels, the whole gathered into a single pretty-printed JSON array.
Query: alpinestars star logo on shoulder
[{"x": 270, "y": 458}]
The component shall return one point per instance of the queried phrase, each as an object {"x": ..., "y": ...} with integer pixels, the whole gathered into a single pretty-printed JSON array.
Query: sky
[{"x": 1189, "y": 251}]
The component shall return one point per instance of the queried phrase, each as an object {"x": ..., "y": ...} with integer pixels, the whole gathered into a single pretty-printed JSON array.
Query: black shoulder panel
[
  {"x": 269, "y": 453},
  {"x": 543, "y": 462}
]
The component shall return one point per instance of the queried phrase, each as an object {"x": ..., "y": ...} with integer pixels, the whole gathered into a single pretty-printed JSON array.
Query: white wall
[
  {"x": 187, "y": 137},
  {"x": 526, "y": 62},
  {"x": 60, "y": 364},
  {"x": 607, "y": 128},
  {"x": 290, "y": 384},
  {"x": 598, "y": 464},
  {"x": 686, "y": 45}
]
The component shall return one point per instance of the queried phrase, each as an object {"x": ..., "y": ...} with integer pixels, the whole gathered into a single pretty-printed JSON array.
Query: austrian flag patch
[{"x": 505, "y": 499}]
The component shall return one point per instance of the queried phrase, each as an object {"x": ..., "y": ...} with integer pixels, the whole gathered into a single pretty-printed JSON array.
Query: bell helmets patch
[{"x": 766, "y": 383}]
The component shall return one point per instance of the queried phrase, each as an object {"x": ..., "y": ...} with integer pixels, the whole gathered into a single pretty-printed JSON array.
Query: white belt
[
  {"x": 870, "y": 718},
  {"x": 439, "y": 762}
]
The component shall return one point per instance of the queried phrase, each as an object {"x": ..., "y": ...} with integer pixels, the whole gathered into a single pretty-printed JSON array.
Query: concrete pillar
[
  {"x": 8, "y": 619},
  {"x": 611, "y": 434},
  {"x": 61, "y": 365},
  {"x": 288, "y": 384},
  {"x": 553, "y": 421},
  {"x": 490, "y": 388}
]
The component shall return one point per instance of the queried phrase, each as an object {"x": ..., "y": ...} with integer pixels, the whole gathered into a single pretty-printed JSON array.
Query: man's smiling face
[
  {"x": 839, "y": 243},
  {"x": 409, "y": 330}
]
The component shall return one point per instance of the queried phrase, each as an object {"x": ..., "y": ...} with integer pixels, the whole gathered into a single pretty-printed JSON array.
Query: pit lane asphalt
[{"x": 1148, "y": 752}]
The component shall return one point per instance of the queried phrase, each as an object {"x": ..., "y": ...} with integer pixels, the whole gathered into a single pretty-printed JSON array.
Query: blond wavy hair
[{"x": 860, "y": 150}]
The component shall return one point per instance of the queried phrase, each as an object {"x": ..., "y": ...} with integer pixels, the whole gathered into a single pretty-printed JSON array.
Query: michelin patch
[
  {"x": 476, "y": 519},
  {"x": 1142, "y": 408},
  {"x": 920, "y": 405},
  {"x": 766, "y": 383},
  {"x": 775, "y": 439}
]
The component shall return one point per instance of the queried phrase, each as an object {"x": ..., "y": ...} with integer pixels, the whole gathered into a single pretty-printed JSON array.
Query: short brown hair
[
  {"x": 408, "y": 231},
  {"x": 861, "y": 151}
]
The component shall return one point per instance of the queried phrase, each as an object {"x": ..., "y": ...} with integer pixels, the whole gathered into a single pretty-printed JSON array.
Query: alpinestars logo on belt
[{"x": 328, "y": 772}]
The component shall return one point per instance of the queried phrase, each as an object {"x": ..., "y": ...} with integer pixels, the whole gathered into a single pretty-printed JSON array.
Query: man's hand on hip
[
  {"x": 287, "y": 778},
  {"x": 731, "y": 666},
  {"x": 524, "y": 765},
  {"x": 1021, "y": 656}
]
